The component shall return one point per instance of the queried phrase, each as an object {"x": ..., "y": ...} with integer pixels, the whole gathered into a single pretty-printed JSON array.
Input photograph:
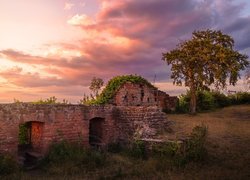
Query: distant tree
[
  {"x": 95, "y": 85},
  {"x": 207, "y": 58}
]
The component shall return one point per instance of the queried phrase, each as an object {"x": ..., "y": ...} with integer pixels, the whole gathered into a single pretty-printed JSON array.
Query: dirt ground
[{"x": 228, "y": 142}]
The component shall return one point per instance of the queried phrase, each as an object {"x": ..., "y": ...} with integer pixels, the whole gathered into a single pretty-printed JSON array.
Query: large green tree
[{"x": 207, "y": 58}]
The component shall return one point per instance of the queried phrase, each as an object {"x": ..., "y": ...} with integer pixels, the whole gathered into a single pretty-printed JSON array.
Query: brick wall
[
  {"x": 51, "y": 123},
  {"x": 132, "y": 94}
]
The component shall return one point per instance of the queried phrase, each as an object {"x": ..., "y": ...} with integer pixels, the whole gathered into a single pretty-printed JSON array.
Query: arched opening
[
  {"x": 30, "y": 136},
  {"x": 96, "y": 131}
]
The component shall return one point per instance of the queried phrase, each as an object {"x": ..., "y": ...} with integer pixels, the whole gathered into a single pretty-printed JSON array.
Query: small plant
[
  {"x": 23, "y": 134},
  {"x": 51, "y": 100}
]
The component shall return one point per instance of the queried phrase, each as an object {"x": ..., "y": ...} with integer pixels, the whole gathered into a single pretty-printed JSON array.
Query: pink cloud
[{"x": 125, "y": 37}]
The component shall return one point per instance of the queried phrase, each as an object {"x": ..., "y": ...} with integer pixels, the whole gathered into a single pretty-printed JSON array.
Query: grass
[{"x": 227, "y": 145}]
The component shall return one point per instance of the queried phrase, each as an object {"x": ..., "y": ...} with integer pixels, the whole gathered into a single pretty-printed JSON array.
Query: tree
[
  {"x": 207, "y": 58},
  {"x": 95, "y": 86}
]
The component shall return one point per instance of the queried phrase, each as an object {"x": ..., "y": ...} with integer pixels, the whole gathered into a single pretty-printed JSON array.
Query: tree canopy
[
  {"x": 207, "y": 58},
  {"x": 95, "y": 85}
]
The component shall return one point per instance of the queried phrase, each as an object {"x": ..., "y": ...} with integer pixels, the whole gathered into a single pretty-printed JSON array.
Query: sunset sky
[{"x": 55, "y": 47}]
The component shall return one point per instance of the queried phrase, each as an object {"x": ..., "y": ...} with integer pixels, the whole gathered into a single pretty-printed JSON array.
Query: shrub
[
  {"x": 183, "y": 103},
  {"x": 180, "y": 153},
  {"x": 73, "y": 158},
  {"x": 240, "y": 98},
  {"x": 195, "y": 146},
  {"x": 205, "y": 101},
  {"x": 137, "y": 149},
  {"x": 7, "y": 165},
  {"x": 220, "y": 99}
]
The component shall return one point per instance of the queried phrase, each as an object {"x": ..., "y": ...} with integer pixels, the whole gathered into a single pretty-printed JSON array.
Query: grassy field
[
  {"x": 228, "y": 142},
  {"x": 228, "y": 146}
]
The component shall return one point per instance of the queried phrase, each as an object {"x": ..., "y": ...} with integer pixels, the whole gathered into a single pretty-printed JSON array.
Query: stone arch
[{"x": 96, "y": 131}]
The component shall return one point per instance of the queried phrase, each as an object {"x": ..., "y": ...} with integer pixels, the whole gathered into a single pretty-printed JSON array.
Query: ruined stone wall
[
  {"x": 131, "y": 94},
  {"x": 139, "y": 122},
  {"x": 51, "y": 123},
  {"x": 58, "y": 122}
]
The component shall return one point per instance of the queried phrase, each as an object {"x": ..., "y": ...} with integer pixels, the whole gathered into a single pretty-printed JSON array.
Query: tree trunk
[{"x": 192, "y": 107}]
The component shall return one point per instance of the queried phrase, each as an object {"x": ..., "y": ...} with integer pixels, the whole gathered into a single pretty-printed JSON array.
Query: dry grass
[
  {"x": 228, "y": 157},
  {"x": 228, "y": 142}
]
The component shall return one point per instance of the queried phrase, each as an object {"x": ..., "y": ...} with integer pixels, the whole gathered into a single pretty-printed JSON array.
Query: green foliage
[
  {"x": 183, "y": 103},
  {"x": 180, "y": 153},
  {"x": 95, "y": 85},
  {"x": 7, "y": 165},
  {"x": 240, "y": 98},
  {"x": 195, "y": 145},
  {"x": 208, "y": 58},
  {"x": 23, "y": 134},
  {"x": 114, "y": 84},
  {"x": 51, "y": 100},
  {"x": 210, "y": 100},
  {"x": 74, "y": 156},
  {"x": 205, "y": 101},
  {"x": 137, "y": 149},
  {"x": 220, "y": 99}
]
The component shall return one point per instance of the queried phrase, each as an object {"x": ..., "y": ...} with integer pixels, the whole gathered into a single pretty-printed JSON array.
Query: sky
[{"x": 54, "y": 48}]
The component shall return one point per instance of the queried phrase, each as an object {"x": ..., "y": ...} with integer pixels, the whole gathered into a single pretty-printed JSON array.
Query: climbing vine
[
  {"x": 114, "y": 84},
  {"x": 23, "y": 134}
]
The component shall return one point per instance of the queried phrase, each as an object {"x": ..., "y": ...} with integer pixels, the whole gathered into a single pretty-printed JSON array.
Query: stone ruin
[{"x": 135, "y": 110}]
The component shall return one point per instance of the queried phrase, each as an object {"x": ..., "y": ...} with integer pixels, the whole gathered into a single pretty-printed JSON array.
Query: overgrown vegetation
[
  {"x": 51, "y": 100},
  {"x": 23, "y": 134},
  {"x": 210, "y": 100},
  {"x": 68, "y": 158},
  {"x": 113, "y": 85},
  {"x": 180, "y": 153}
]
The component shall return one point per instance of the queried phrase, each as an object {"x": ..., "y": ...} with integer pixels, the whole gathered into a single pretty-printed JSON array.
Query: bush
[
  {"x": 183, "y": 103},
  {"x": 180, "y": 153},
  {"x": 205, "y": 101},
  {"x": 195, "y": 146},
  {"x": 137, "y": 149},
  {"x": 209, "y": 100},
  {"x": 240, "y": 98},
  {"x": 220, "y": 99},
  {"x": 7, "y": 165},
  {"x": 72, "y": 158}
]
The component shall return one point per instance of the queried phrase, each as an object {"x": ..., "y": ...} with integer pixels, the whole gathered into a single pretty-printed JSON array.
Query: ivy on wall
[
  {"x": 23, "y": 135},
  {"x": 114, "y": 84}
]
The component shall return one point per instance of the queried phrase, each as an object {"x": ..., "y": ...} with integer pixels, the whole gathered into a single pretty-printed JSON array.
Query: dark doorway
[
  {"x": 96, "y": 131},
  {"x": 30, "y": 136}
]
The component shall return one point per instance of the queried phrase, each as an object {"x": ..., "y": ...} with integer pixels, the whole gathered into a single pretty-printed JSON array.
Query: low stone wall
[{"x": 72, "y": 122}]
